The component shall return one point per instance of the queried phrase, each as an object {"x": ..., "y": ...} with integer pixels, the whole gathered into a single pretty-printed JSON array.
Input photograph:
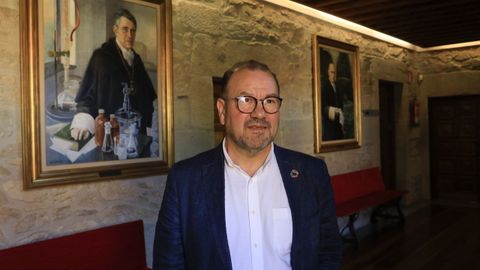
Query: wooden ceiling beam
[
  {"x": 330, "y": 3},
  {"x": 454, "y": 35},
  {"x": 424, "y": 37},
  {"x": 401, "y": 14},
  {"x": 342, "y": 5},
  {"x": 368, "y": 8},
  {"x": 412, "y": 24},
  {"x": 426, "y": 42},
  {"x": 447, "y": 11},
  {"x": 417, "y": 22}
]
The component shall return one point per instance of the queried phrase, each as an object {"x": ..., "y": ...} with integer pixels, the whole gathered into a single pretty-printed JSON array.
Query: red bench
[
  {"x": 359, "y": 190},
  {"x": 119, "y": 246}
]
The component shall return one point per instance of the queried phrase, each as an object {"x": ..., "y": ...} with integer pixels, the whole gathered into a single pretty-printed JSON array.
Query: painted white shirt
[
  {"x": 257, "y": 216},
  {"x": 127, "y": 53}
]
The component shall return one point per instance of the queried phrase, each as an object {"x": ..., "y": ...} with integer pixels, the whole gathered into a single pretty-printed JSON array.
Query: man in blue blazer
[{"x": 248, "y": 203}]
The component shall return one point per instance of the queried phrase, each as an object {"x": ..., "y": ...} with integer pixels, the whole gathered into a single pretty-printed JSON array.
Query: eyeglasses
[
  {"x": 126, "y": 30},
  {"x": 248, "y": 104}
]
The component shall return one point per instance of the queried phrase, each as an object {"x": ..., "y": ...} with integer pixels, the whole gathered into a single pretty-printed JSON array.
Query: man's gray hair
[{"x": 122, "y": 12}]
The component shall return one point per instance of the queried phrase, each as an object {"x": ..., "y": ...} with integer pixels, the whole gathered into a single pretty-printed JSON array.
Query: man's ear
[{"x": 221, "y": 110}]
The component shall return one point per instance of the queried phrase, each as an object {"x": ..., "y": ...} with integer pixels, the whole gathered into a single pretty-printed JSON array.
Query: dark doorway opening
[
  {"x": 388, "y": 94},
  {"x": 218, "y": 128},
  {"x": 455, "y": 149}
]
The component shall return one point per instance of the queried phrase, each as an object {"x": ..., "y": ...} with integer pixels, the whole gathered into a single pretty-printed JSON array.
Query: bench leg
[
  {"x": 351, "y": 228},
  {"x": 401, "y": 216},
  {"x": 377, "y": 212},
  {"x": 353, "y": 239}
]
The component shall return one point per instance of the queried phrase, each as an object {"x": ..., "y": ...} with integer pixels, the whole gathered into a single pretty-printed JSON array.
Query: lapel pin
[{"x": 294, "y": 173}]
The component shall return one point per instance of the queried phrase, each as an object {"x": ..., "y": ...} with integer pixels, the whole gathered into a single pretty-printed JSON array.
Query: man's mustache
[{"x": 258, "y": 122}]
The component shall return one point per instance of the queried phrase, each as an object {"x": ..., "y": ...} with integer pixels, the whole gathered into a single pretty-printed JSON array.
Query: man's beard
[{"x": 254, "y": 143}]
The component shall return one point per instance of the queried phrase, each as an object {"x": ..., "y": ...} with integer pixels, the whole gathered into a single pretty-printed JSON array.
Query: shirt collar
[
  {"x": 127, "y": 53},
  {"x": 229, "y": 162}
]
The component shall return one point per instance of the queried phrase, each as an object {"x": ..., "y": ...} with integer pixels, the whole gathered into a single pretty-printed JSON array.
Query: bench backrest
[
  {"x": 119, "y": 246},
  {"x": 356, "y": 184}
]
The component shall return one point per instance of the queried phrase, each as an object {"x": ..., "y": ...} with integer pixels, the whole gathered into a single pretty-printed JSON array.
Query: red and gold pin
[{"x": 294, "y": 173}]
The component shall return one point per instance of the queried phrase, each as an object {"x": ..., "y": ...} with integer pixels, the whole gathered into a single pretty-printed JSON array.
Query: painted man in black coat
[
  {"x": 111, "y": 67},
  {"x": 332, "y": 107}
]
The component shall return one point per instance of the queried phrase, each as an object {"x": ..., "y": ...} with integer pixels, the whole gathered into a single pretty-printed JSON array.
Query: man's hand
[
  {"x": 79, "y": 134},
  {"x": 82, "y": 126},
  {"x": 341, "y": 118},
  {"x": 335, "y": 113}
]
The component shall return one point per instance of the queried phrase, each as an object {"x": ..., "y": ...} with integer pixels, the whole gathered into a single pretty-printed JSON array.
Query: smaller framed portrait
[{"x": 336, "y": 92}]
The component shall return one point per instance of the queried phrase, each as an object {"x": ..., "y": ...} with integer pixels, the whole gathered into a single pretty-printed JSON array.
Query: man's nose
[{"x": 259, "y": 112}]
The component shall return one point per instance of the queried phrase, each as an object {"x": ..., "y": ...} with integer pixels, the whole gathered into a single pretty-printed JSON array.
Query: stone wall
[{"x": 208, "y": 37}]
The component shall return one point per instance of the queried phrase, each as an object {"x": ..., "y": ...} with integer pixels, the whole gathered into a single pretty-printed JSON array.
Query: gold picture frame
[
  {"x": 42, "y": 59},
  {"x": 336, "y": 92}
]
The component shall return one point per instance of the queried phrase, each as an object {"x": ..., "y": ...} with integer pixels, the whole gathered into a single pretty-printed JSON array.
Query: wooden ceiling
[{"x": 425, "y": 23}]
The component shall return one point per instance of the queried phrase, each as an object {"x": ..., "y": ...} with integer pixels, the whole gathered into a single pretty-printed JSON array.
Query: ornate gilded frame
[
  {"x": 345, "y": 60},
  {"x": 36, "y": 171}
]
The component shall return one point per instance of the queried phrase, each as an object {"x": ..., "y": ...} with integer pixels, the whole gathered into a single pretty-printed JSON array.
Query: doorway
[
  {"x": 455, "y": 148},
  {"x": 218, "y": 128},
  {"x": 389, "y": 94}
]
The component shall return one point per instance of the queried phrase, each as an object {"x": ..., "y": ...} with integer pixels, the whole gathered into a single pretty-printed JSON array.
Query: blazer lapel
[
  {"x": 296, "y": 186},
  {"x": 293, "y": 179},
  {"x": 214, "y": 177}
]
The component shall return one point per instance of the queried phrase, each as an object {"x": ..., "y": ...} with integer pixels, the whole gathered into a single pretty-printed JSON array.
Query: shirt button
[
  {"x": 255, "y": 245},
  {"x": 253, "y": 212}
]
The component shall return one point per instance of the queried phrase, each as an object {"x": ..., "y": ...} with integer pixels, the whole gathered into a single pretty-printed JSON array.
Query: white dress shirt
[
  {"x": 257, "y": 216},
  {"x": 127, "y": 53}
]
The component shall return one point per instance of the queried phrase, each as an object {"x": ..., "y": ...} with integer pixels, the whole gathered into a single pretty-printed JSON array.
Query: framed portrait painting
[
  {"x": 336, "y": 93},
  {"x": 96, "y": 79}
]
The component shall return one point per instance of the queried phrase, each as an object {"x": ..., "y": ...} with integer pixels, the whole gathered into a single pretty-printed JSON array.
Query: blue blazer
[{"x": 191, "y": 230}]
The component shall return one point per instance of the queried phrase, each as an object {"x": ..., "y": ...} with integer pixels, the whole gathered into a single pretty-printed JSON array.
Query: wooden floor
[{"x": 436, "y": 237}]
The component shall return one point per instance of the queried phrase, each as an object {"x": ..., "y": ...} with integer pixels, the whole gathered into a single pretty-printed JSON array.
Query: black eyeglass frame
[{"x": 279, "y": 99}]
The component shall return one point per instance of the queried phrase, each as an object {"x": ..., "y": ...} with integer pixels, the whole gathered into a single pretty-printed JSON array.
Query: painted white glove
[
  {"x": 341, "y": 118},
  {"x": 82, "y": 126},
  {"x": 333, "y": 112}
]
